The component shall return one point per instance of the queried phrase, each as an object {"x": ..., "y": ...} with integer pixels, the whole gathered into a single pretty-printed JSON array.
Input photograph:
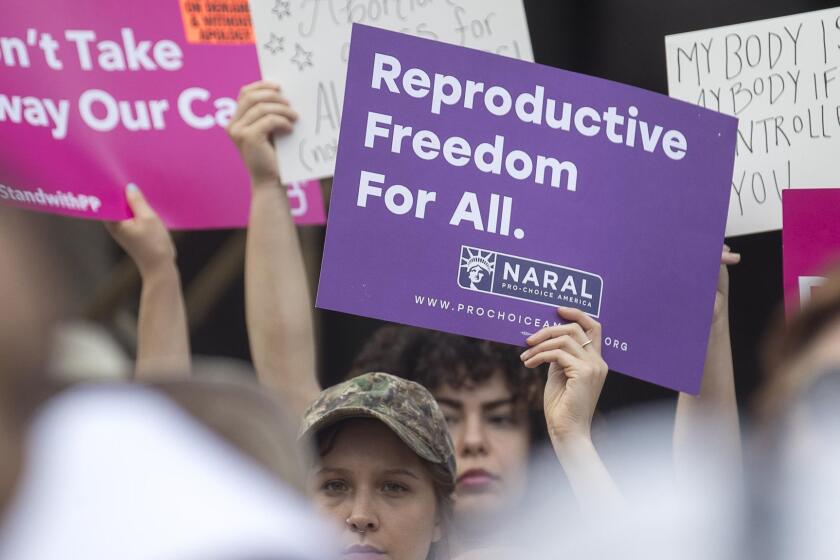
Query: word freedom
[
  {"x": 530, "y": 108},
  {"x": 459, "y": 152}
]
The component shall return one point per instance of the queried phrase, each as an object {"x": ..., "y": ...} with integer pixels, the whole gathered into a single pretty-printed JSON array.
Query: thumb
[
  {"x": 727, "y": 259},
  {"x": 139, "y": 206}
]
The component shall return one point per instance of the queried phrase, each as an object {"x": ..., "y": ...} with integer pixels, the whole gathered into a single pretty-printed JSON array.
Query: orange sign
[{"x": 217, "y": 22}]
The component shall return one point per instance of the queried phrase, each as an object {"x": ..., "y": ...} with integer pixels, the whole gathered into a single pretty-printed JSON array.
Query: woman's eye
[
  {"x": 502, "y": 420},
  {"x": 334, "y": 486},
  {"x": 394, "y": 488},
  {"x": 451, "y": 420}
]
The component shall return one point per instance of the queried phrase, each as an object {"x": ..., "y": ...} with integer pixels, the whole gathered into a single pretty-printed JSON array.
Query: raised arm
[
  {"x": 163, "y": 342},
  {"x": 707, "y": 426},
  {"x": 576, "y": 376},
  {"x": 277, "y": 300}
]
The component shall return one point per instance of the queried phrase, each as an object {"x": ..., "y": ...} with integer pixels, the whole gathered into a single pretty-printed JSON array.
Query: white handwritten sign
[
  {"x": 304, "y": 45},
  {"x": 780, "y": 77}
]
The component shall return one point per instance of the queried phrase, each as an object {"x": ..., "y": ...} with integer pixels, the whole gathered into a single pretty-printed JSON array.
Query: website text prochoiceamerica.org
[
  {"x": 492, "y": 314},
  {"x": 485, "y": 312}
]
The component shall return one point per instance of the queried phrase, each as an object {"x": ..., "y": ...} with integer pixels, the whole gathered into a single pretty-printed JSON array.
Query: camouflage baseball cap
[{"x": 404, "y": 406}]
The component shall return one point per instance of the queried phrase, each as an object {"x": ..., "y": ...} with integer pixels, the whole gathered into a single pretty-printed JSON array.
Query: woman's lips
[
  {"x": 476, "y": 479},
  {"x": 362, "y": 552}
]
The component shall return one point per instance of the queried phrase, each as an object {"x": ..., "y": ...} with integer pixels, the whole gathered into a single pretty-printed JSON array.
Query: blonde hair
[{"x": 248, "y": 418}]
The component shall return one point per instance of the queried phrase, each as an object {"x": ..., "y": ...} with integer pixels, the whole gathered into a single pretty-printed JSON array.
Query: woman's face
[
  {"x": 380, "y": 492},
  {"x": 492, "y": 439}
]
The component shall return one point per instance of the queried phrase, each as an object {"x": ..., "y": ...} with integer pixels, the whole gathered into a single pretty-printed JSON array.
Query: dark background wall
[{"x": 621, "y": 40}]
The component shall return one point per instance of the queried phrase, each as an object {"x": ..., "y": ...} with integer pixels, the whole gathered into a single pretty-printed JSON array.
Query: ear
[
  {"x": 440, "y": 530},
  {"x": 438, "y": 533}
]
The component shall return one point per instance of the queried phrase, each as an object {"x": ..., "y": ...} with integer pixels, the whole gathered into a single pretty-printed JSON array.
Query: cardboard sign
[
  {"x": 475, "y": 193},
  {"x": 780, "y": 78},
  {"x": 811, "y": 239},
  {"x": 98, "y": 94},
  {"x": 303, "y": 45}
]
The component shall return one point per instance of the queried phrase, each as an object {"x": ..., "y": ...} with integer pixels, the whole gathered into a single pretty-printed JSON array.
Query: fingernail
[
  {"x": 131, "y": 188},
  {"x": 523, "y": 354}
]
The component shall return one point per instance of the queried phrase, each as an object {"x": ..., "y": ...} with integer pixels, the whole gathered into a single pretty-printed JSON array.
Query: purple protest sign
[
  {"x": 475, "y": 193},
  {"x": 99, "y": 94}
]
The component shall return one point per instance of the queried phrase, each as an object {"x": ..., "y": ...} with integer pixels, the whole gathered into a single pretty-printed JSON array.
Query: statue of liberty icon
[{"x": 477, "y": 267}]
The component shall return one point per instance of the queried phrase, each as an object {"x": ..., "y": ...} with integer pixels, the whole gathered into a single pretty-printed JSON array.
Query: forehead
[
  {"x": 366, "y": 445},
  {"x": 494, "y": 388}
]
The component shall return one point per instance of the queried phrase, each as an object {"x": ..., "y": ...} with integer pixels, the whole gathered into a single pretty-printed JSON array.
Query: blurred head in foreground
[
  {"x": 246, "y": 417},
  {"x": 386, "y": 467},
  {"x": 802, "y": 351},
  {"x": 175, "y": 470},
  {"x": 29, "y": 290},
  {"x": 798, "y": 499}
]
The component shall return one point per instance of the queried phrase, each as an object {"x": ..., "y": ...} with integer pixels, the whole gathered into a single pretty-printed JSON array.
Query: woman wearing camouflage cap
[
  {"x": 386, "y": 467},
  {"x": 282, "y": 337},
  {"x": 283, "y": 346}
]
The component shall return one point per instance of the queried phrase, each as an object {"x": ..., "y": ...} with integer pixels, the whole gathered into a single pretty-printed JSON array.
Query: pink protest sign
[
  {"x": 811, "y": 239},
  {"x": 98, "y": 94},
  {"x": 307, "y": 203}
]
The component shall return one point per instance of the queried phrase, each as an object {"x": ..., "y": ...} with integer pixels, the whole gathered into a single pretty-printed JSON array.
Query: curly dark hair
[{"x": 434, "y": 359}]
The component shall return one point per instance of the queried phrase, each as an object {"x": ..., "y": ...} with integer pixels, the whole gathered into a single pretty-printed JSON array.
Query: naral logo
[{"x": 529, "y": 280}]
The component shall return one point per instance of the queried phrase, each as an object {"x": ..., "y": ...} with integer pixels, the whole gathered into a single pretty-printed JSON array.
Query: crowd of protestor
[{"x": 434, "y": 446}]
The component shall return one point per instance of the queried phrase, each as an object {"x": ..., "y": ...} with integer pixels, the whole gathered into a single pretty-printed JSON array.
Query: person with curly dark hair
[
  {"x": 492, "y": 402},
  {"x": 496, "y": 405},
  {"x": 500, "y": 408}
]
